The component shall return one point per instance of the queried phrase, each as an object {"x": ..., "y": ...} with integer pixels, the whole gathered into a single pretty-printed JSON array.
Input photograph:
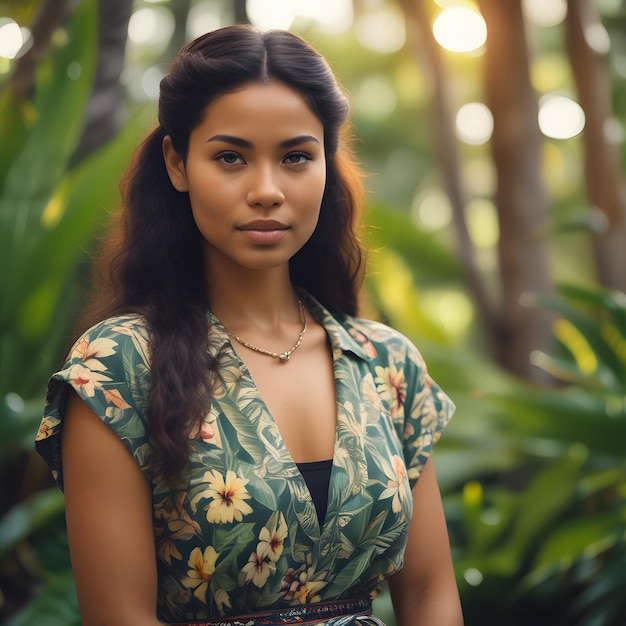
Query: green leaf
[
  {"x": 77, "y": 211},
  {"x": 601, "y": 299},
  {"x": 396, "y": 230},
  {"x": 262, "y": 492},
  {"x": 29, "y": 515},
  {"x": 19, "y": 420},
  {"x": 16, "y": 119},
  {"x": 571, "y": 415},
  {"x": 36, "y": 170},
  {"x": 56, "y": 604},
  {"x": 611, "y": 369},
  {"x": 538, "y": 507},
  {"x": 578, "y": 537}
]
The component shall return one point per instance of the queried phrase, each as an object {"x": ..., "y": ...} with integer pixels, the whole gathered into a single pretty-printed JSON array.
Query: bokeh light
[
  {"x": 375, "y": 98},
  {"x": 560, "y": 117},
  {"x": 451, "y": 309},
  {"x": 267, "y": 14},
  {"x": 12, "y": 38},
  {"x": 460, "y": 29},
  {"x": 482, "y": 223},
  {"x": 152, "y": 26},
  {"x": 203, "y": 17},
  {"x": 332, "y": 17},
  {"x": 613, "y": 131},
  {"x": 382, "y": 30},
  {"x": 431, "y": 210},
  {"x": 545, "y": 12},
  {"x": 150, "y": 82},
  {"x": 474, "y": 123},
  {"x": 548, "y": 71},
  {"x": 473, "y": 576},
  {"x": 74, "y": 70},
  {"x": 597, "y": 38}
]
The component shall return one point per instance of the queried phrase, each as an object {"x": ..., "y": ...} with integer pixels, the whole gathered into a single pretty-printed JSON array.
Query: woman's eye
[
  {"x": 296, "y": 158},
  {"x": 229, "y": 158}
]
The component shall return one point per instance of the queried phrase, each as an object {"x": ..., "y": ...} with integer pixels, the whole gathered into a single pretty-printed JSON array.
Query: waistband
[{"x": 347, "y": 611}]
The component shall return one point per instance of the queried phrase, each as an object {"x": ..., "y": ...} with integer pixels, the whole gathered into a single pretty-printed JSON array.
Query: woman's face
[{"x": 255, "y": 173}]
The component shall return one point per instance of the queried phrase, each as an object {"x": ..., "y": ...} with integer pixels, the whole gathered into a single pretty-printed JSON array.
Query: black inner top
[{"x": 317, "y": 478}]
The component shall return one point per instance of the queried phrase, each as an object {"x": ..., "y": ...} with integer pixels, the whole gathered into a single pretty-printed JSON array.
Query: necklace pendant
[{"x": 284, "y": 356}]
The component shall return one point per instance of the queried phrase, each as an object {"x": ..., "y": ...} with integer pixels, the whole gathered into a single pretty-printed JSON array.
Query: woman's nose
[{"x": 265, "y": 190}]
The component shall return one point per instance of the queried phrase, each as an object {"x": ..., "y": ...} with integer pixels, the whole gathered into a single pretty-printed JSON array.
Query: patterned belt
[{"x": 338, "y": 613}]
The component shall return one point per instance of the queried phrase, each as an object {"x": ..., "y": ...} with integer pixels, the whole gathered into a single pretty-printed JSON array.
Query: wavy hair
[{"x": 152, "y": 261}]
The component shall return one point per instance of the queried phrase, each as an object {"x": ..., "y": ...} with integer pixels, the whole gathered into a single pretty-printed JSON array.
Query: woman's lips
[{"x": 264, "y": 231}]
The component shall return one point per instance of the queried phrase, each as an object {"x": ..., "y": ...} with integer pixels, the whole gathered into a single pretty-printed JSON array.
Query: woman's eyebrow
[
  {"x": 298, "y": 140},
  {"x": 236, "y": 141},
  {"x": 244, "y": 143}
]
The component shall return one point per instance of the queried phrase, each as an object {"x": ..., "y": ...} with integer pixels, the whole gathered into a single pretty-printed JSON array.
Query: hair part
[{"x": 152, "y": 261}]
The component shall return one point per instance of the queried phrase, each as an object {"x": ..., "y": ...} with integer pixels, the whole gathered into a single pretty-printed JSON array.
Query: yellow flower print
[
  {"x": 392, "y": 388},
  {"x": 202, "y": 568},
  {"x": 229, "y": 497},
  {"x": 301, "y": 586},
  {"x": 258, "y": 570},
  {"x": 397, "y": 486},
  {"x": 272, "y": 538},
  {"x": 222, "y": 600},
  {"x": 86, "y": 379}
]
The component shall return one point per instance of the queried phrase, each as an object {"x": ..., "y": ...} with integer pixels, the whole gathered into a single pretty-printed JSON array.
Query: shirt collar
[{"x": 339, "y": 333}]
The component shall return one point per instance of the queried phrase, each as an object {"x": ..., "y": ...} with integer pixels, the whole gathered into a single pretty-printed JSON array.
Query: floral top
[{"x": 245, "y": 536}]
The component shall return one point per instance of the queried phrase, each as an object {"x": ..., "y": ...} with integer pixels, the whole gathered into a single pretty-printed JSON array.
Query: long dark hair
[{"x": 152, "y": 262}]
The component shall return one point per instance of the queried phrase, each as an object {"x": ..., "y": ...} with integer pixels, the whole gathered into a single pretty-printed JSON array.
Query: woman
[{"x": 236, "y": 446}]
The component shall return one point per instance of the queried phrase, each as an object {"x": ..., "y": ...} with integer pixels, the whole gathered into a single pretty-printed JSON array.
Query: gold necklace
[{"x": 283, "y": 356}]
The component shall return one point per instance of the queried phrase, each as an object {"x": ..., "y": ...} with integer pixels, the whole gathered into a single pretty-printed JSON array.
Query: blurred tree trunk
[
  {"x": 587, "y": 45},
  {"x": 106, "y": 113},
  {"x": 521, "y": 198},
  {"x": 429, "y": 57},
  {"x": 513, "y": 330}
]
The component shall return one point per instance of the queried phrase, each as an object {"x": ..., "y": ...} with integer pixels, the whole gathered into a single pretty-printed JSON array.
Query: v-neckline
[
  {"x": 288, "y": 458},
  {"x": 333, "y": 504}
]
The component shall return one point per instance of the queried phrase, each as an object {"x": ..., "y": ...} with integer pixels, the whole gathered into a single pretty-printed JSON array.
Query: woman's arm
[
  {"x": 109, "y": 522},
  {"x": 425, "y": 591}
]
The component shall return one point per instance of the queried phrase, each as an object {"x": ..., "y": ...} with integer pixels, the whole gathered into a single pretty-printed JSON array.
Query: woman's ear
[{"x": 175, "y": 165}]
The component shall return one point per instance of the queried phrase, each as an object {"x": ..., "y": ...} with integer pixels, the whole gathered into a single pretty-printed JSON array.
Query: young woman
[{"x": 234, "y": 445}]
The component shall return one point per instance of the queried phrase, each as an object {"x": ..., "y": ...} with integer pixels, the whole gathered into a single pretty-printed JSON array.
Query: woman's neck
[{"x": 264, "y": 300}]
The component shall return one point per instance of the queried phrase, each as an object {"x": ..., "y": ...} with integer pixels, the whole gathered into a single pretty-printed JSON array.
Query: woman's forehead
[{"x": 261, "y": 110}]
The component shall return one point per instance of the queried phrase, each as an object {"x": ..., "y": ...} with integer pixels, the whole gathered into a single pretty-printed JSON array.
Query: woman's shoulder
[
  {"x": 124, "y": 324},
  {"x": 119, "y": 334},
  {"x": 109, "y": 368}
]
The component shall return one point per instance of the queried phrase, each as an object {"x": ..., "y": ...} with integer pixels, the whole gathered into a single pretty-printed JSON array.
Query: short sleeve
[
  {"x": 109, "y": 368},
  {"x": 427, "y": 412}
]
